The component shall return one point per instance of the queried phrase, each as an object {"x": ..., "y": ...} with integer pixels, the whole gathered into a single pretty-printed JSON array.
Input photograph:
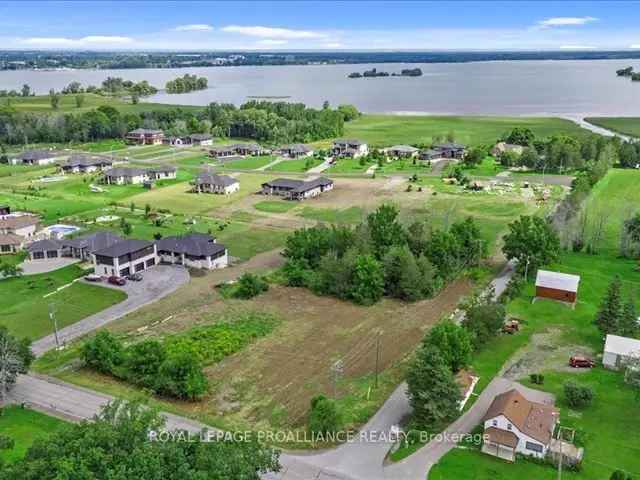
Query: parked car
[
  {"x": 119, "y": 281},
  {"x": 135, "y": 277},
  {"x": 581, "y": 362},
  {"x": 92, "y": 277}
]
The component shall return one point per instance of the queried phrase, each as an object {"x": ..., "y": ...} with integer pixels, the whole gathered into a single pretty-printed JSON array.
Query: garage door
[
  {"x": 52, "y": 254},
  {"x": 124, "y": 272},
  {"x": 151, "y": 262},
  {"x": 139, "y": 267}
]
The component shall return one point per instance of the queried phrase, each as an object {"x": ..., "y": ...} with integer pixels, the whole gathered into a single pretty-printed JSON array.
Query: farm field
[
  {"x": 386, "y": 130},
  {"x": 624, "y": 125},
  {"x": 25, "y": 426},
  {"x": 551, "y": 333},
  {"x": 25, "y": 310}
]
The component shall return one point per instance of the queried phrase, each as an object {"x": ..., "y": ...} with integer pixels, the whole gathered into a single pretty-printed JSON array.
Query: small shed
[
  {"x": 619, "y": 350},
  {"x": 557, "y": 286}
]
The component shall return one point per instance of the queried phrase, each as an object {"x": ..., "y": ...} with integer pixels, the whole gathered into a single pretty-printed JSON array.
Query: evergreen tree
[
  {"x": 433, "y": 392},
  {"x": 610, "y": 311},
  {"x": 628, "y": 323}
]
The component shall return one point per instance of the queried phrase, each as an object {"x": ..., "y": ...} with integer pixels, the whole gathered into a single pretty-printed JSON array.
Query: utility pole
[
  {"x": 378, "y": 341},
  {"x": 54, "y": 321}
]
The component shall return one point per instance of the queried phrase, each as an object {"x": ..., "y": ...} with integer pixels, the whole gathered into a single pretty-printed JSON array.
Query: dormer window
[
  {"x": 495, "y": 423},
  {"x": 509, "y": 426}
]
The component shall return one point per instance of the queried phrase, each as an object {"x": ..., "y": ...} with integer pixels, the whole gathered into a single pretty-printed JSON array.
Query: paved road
[
  {"x": 580, "y": 120},
  {"x": 322, "y": 167},
  {"x": 158, "y": 282}
]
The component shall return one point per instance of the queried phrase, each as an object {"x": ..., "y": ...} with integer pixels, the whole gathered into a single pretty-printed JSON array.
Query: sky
[{"x": 319, "y": 25}]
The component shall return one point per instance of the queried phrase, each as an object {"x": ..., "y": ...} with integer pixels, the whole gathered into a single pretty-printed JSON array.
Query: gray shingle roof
[
  {"x": 298, "y": 186},
  {"x": 449, "y": 146},
  {"x": 145, "y": 131},
  {"x": 94, "y": 241},
  {"x": 124, "y": 172},
  {"x": 123, "y": 247},
  {"x": 297, "y": 147},
  {"x": 43, "y": 245},
  {"x": 200, "y": 136},
  {"x": 213, "y": 179},
  {"x": 163, "y": 168},
  {"x": 81, "y": 160},
  {"x": 196, "y": 244},
  {"x": 30, "y": 155}
]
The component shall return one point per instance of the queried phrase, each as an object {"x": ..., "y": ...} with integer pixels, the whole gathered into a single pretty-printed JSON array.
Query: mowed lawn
[
  {"x": 25, "y": 426},
  {"x": 385, "y": 130},
  {"x": 26, "y": 313},
  {"x": 298, "y": 165},
  {"x": 247, "y": 163},
  {"x": 624, "y": 125},
  {"x": 178, "y": 198},
  {"x": 617, "y": 198}
]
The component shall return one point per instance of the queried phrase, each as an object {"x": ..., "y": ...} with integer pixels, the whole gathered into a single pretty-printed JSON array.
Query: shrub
[
  {"x": 142, "y": 361},
  {"x": 454, "y": 343},
  {"x": 577, "y": 396},
  {"x": 324, "y": 417},
  {"x": 249, "y": 286},
  {"x": 537, "y": 378},
  {"x": 181, "y": 376},
  {"x": 484, "y": 322},
  {"x": 104, "y": 352}
]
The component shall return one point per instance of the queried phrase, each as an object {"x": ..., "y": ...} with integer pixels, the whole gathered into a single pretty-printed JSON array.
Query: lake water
[{"x": 580, "y": 87}]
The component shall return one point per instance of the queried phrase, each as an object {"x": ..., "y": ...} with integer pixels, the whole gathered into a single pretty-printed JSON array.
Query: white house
[
  {"x": 294, "y": 189},
  {"x": 124, "y": 258},
  {"x": 619, "y": 350},
  {"x": 36, "y": 157},
  {"x": 196, "y": 250},
  {"x": 349, "y": 148},
  {"x": 402, "y": 151},
  {"x": 123, "y": 176},
  {"x": 513, "y": 424},
  {"x": 212, "y": 183}
]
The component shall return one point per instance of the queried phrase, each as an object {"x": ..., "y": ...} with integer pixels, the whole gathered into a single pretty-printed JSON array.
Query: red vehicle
[
  {"x": 119, "y": 281},
  {"x": 581, "y": 362}
]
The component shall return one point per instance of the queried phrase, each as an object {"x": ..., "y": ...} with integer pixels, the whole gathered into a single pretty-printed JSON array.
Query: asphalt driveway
[{"x": 158, "y": 282}]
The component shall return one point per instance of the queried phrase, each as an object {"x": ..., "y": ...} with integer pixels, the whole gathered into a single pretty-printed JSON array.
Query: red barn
[{"x": 557, "y": 286}]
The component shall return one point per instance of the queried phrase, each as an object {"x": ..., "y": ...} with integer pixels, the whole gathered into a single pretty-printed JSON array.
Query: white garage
[{"x": 618, "y": 351}]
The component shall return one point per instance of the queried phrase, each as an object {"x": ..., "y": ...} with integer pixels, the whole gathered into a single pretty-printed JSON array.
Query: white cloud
[
  {"x": 333, "y": 45},
  {"x": 271, "y": 32},
  {"x": 195, "y": 27},
  {"x": 272, "y": 42},
  {"x": 565, "y": 21},
  {"x": 635, "y": 45},
  {"x": 62, "y": 42},
  {"x": 577, "y": 47}
]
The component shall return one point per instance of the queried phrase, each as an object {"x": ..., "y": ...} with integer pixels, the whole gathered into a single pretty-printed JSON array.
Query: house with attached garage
[
  {"x": 125, "y": 176},
  {"x": 295, "y": 150},
  {"x": 222, "y": 152},
  {"x": 36, "y": 157},
  {"x": 212, "y": 183},
  {"x": 196, "y": 250},
  {"x": 562, "y": 287},
  {"x": 402, "y": 151},
  {"x": 164, "y": 172},
  {"x": 618, "y": 351},
  {"x": 145, "y": 136},
  {"x": 297, "y": 189},
  {"x": 349, "y": 148},
  {"x": 15, "y": 230},
  {"x": 246, "y": 149},
  {"x": 44, "y": 249},
  {"x": 83, "y": 247},
  {"x": 125, "y": 258},
  {"x": 450, "y": 150},
  {"x": 80, "y": 163},
  {"x": 200, "y": 139},
  {"x": 514, "y": 425}
]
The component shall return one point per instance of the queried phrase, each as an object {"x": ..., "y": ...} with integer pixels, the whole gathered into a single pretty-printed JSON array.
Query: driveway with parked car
[{"x": 156, "y": 283}]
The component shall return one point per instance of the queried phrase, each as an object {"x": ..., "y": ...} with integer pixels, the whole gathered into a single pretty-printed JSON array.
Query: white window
[
  {"x": 509, "y": 426},
  {"x": 534, "y": 447}
]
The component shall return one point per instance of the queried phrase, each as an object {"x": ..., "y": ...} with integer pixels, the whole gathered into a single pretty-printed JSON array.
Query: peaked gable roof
[
  {"x": 557, "y": 280},
  {"x": 196, "y": 244}
]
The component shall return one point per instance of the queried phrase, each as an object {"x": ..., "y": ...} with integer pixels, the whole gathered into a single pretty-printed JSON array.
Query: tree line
[
  {"x": 381, "y": 256},
  {"x": 271, "y": 123}
]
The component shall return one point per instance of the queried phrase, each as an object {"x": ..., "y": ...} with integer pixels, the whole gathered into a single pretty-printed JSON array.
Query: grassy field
[
  {"x": 616, "y": 198},
  {"x": 248, "y": 163},
  {"x": 345, "y": 215},
  {"x": 385, "y": 130},
  {"x": 348, "y": 165},
  {"x": 624, "y": 125},
  {"x": 550, "y": 334},
  {"x": 25, "y": 426},
  {"x": 298, "y": 165},
  {"x": 274, "y": 206},
  {"x": 25, "y": 311},
  {"x": 42, "y": 104}
]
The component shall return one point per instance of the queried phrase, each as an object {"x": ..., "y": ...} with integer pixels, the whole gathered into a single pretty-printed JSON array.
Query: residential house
[
  {"x": 194, "y": 250},
  {"x": 174, "y": 141},
  {"x": 295, "y": 150},
  {"x": 514, "y": 425},
  {"x": 125, "y": 176},
  {"x": 450, "y": 150},
  {"x": 145, "y": 136},
  {"x": 349, "y": 148},
  {"x": 80, "y": 163},
  {"x": 502, "y": 147},
  {"x": 222, "y": 152},
  {"x": 15, "y": 231},
  {"x": 402, "y": 151},
  {"x": 212, "y": 183},
  {"x": 44, "y": 249},
  {"x": 164, "y": 172},
  {"x": 619, "y": 350},
  {"x": 125, "y": 257},
  {"x": 429, "y": 154},
  {"x": 85, "y": 246},
  {"x": 249, "y": 149},
  {"x": 297, "y": 189},
  {"x": 557, "y": 286},
  {"x": 36, "y": 157},
  {"x": 200, "y": 139}
]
